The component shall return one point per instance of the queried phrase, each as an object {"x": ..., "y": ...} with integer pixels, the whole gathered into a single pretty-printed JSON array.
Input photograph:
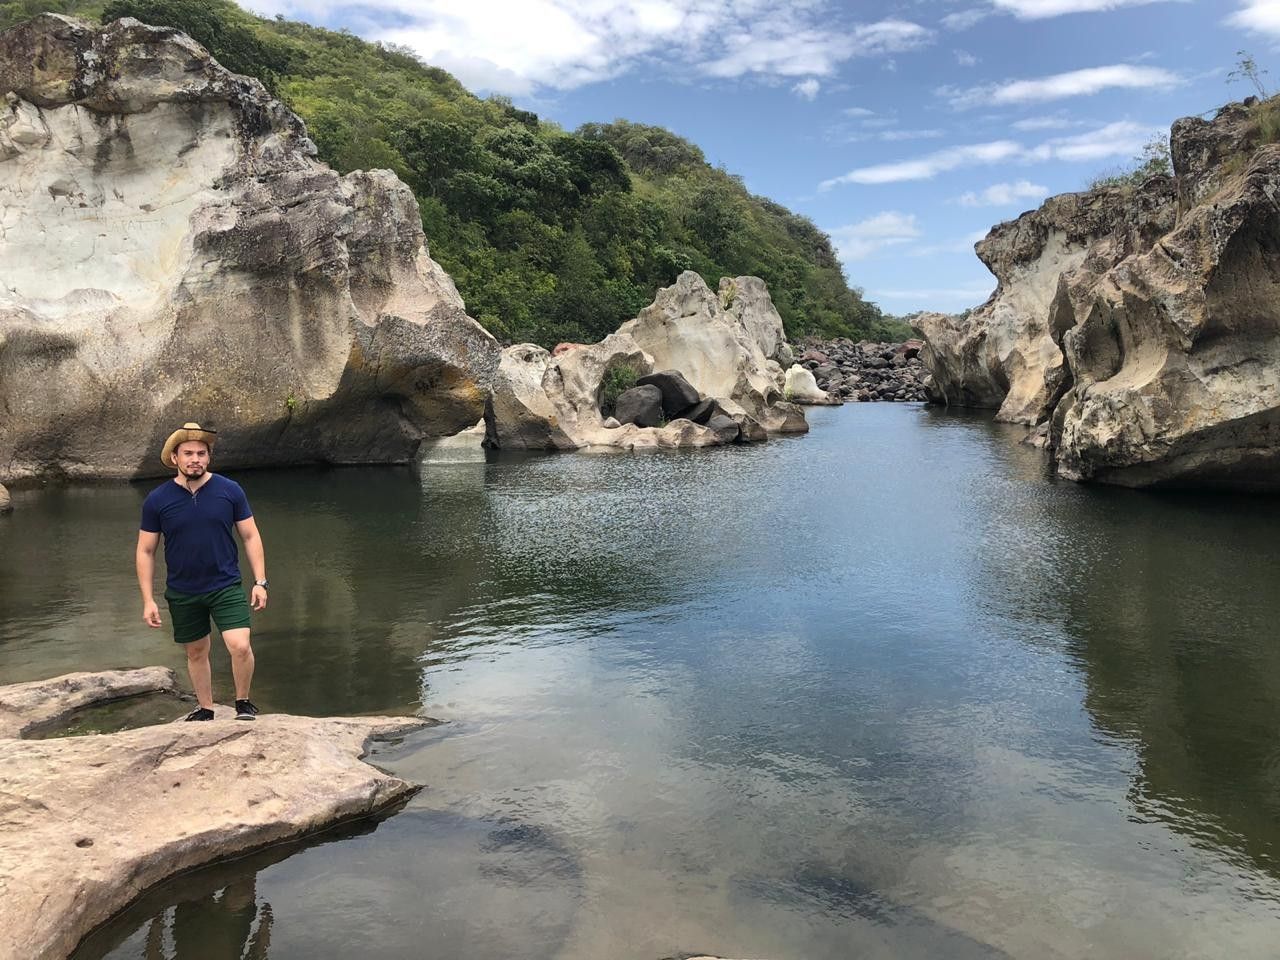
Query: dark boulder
[
  {"x": 678, "y": 395},
  {"x": 724, "y": 427},
  {"x": 640, "y": 405}
]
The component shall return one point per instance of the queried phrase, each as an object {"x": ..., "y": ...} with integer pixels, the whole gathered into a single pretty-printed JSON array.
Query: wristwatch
[{"x": 260, "y": 583}]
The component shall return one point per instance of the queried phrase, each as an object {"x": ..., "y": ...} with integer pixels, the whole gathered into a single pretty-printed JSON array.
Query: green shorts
[{"x": 190, "y": 612}]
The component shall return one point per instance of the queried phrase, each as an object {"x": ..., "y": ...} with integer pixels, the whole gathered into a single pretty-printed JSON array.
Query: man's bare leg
[
  {"x": 198, "y": 670},
  {"x": 237, "y": 642}
]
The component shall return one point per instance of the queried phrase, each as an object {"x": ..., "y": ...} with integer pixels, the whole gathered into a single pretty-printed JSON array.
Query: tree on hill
[{"x": 549, "y": 235}]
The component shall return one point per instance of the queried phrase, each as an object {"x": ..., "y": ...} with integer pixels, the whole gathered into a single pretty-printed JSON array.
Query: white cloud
[
  {"x": 1040, "y": 9},
  {"x": 520, "y": 48},
  {"x": 772, "y": 46},
  {"x": 965, "y": 19},
  {"x": 1120, "y": 139},
  {"x": 1259, "y": 16},
  {"x": 1075, "y": 83},
  {"x": 858, "y": 112},
  {"x": 1003, "y": 194},
  {"x": 927, "y": 167},
  {"x": 1045, "y": 123},
  {"x": 807, "y": 89},
  {"x": 964, "y": 58},
  {"x": 891, "y": 136},
  {"x": 859, "y": 240}
]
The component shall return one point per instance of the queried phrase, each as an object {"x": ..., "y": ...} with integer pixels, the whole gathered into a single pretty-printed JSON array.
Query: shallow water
[{"x": 882, "y": 691}]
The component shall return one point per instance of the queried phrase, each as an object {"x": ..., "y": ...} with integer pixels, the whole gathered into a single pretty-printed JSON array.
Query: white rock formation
[
  {"x": 687, "y": 329},
  {"x": 90, "y": 822},
  {"x": 170, "y": 250},
  {"x": 801, "y": 386},
  {"x": 543, "y": 401}
]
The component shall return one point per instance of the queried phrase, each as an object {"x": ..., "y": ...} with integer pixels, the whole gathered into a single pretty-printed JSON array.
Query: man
[{"x": 195, "y": 512}]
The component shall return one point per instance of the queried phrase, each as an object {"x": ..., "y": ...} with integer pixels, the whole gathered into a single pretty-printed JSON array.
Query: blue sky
[{"x": 904, "y": 129}]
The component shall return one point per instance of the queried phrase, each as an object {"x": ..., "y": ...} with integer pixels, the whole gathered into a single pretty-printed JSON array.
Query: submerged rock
[
  {"x": 91, "y": 822},
  {"x": 1143, "y": 324},
  {"x": 182, "y": 255}
]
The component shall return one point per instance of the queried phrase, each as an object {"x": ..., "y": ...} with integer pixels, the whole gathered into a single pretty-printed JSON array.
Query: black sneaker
[
  {"x": 200, "y": 713},
  {"x": 245, "y": 710}
]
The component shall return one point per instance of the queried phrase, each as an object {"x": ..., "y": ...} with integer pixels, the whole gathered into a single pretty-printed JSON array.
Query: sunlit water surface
[{"x": 882, "y": 691}]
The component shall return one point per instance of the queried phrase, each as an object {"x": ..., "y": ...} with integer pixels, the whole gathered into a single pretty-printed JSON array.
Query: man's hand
[
  {"x": 151, "y": 614},
  {"x": 259, "y": 598}
]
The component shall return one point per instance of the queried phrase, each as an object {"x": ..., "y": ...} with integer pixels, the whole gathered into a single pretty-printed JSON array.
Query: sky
[{"x": 905, "y": 129}]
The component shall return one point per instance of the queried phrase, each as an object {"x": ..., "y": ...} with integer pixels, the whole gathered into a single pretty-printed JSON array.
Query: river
[{"x": 886, "y": 690}]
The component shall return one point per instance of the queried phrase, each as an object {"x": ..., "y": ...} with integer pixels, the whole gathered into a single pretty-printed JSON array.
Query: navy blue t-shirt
[{"x": 199, "y": 549}]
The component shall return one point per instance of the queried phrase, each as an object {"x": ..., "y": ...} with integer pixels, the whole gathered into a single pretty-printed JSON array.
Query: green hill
[{"x": 549, "y": 235}]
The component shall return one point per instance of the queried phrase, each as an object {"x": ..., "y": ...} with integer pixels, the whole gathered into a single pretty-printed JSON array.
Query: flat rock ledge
[{"x": 88, "y": 823}]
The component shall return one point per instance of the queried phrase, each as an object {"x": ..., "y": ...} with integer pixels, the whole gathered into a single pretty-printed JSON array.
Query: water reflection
[{"x": 885, "y": 691}]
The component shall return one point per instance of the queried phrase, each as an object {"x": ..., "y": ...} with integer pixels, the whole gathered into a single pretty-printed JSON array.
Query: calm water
[{"x": 882, "y": 691}]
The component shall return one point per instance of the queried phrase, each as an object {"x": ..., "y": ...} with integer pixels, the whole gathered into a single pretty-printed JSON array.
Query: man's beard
[{"x": 190, "y": 472}]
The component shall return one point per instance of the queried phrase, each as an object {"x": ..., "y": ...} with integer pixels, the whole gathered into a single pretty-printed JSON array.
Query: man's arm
[
  {"x": 145, "y": 559},
  {"x": 252, "y": 541}
]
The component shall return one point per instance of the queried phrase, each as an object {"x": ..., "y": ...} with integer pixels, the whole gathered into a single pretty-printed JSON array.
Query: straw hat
[{"x": 188, "y": 431}]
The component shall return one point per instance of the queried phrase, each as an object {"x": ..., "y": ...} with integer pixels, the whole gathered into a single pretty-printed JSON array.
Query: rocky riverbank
[
  {"x": 866, "y": 370},
  {"x": 92, "y": 821},
  {"x": 1136, "y": 327}
]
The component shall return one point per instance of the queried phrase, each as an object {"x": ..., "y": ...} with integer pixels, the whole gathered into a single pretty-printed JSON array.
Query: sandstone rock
[
  {"x": 686, "y": 329},
  {"x": 750, "y": 430},
  {"x": 90, "y": 822},
  {"x": 677, "y": 393},
  {"x": 6, "y": 503},
  {"x": 560, "y": 348},
  {"x": 747, "y": 301},
  {"x": 611, "y": 423},
  {"x": 803, "y": 388},
  {"x": 1007, "y": 352},
  {"x": 25, "y": 706},
  {"x": 520, "y": 415},
  {"x": 1146, "y": 319},
  {"x": 640, "y": 405},
  {"x": 784, "y": 417},
  {"x": 542, "y": 401},
  {"x": 182, "y": 255},
  {"x": 1176, "y": 356}
]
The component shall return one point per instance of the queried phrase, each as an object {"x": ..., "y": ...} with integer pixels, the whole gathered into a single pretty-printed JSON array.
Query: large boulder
[
  {"x": 687, "y": 329},
  {"x": 1007, "y": 353},
  {"x": 747, "y": 301},
  {"x": 640, "y": 405},
  {"x": 1176, "y": 356},
  {"x": 92, "y": 821},
  {"x": 678, "y": 395},
  {"x": 1146, "y": 323},
  {"x": 545, "y": 401},
  {"x": 181, "y": 255},
  {"x": 802, "y": 387}
]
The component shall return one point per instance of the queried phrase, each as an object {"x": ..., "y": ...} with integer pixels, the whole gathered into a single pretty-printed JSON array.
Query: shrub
[{"x": 616, "y": 381}]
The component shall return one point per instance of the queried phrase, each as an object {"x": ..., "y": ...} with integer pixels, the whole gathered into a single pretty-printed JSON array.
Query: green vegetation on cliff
[{"x": 549, "y": 235}]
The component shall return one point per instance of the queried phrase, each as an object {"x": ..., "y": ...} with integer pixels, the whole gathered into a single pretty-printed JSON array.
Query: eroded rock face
[
  {"x": 552, "y": 401},
  {"x": 1007, "y": 353},
  {"x": 687, "y": 329},
  {"x": 90, "y": 822},
  {"x": 1177, "y": 354},
  {"x": 1156, "y": 358},
  {"x": 173, "y": 251}
]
